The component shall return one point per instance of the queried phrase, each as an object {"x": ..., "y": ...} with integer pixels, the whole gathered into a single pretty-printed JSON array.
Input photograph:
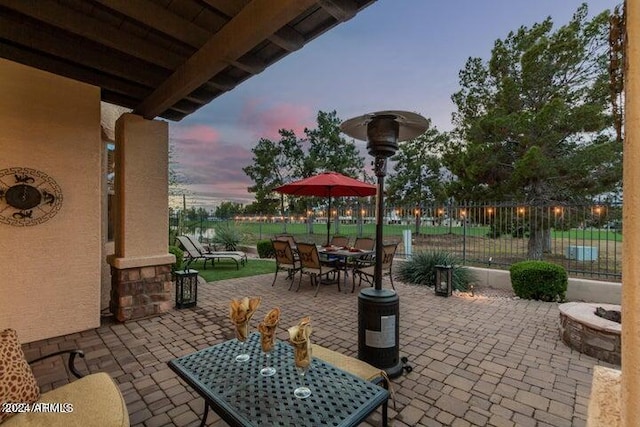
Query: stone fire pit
[{"x": 594, "y": 336}]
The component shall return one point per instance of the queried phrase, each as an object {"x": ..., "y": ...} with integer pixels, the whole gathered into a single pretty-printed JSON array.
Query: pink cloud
[
  {"x": 265, "y": 120},
  {"x": 212, "y": 159},
  {"x": 203, "y": 157},
  {"x": 202, "y": 133}
]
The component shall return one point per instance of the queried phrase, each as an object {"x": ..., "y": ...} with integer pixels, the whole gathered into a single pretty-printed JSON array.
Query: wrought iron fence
[{"x": 585, "y": 239}]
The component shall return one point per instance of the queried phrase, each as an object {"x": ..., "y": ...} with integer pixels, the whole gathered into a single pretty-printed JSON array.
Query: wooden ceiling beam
[
  {"x": 62, "y": 17},
  {"x": 222, "y": 83},
  {"x": 250, "y": 65},
  {"x": 288, "y": 39},
  {"x": 229, "y": 7},
  {"x": 79, "y": 52},
  {"x": 160, "y": 19},
  {"x": 257, "y": 21},
  {"x": 342, "y": 10},
  {"x": 63, "y": 68}
]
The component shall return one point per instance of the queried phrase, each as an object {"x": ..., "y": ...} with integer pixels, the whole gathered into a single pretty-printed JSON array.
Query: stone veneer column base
[{"x": 141, "y": 291}]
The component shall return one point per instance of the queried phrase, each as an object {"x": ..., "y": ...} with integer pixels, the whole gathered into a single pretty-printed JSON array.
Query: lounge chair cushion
[
  {"x": 17, "y": 383},
  {"x": 95, "y": 399},
  {"x": 350, "y": 364}
]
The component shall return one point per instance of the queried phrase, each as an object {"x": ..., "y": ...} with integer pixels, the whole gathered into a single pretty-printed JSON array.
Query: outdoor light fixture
[
  {"x": 379, "y": 309},
  {"x": 444, "y": 280},
  {"x": 186, "y": 288}
]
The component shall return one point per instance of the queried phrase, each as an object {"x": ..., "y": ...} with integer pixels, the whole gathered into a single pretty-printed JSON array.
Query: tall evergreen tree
[
  {"x": 534, "y": 122},
  {"x": 329, "y": 151},
  {"x": 417, "y": 178},
  {"x": 274, "y": 163}
]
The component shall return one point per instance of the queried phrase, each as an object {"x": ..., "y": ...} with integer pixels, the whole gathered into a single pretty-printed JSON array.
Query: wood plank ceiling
[{"x": 163, "y": 58}]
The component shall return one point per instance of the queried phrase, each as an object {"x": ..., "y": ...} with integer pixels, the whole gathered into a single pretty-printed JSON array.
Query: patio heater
[{"x": 379, "y": 309}]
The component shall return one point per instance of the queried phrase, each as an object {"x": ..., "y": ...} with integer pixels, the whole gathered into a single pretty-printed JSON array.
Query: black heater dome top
[{"x": 410, "y": 125}]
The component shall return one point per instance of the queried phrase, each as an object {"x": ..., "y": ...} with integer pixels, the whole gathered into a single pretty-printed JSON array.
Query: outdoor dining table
[
  {"x": 345, "y": 255},
  {"x": 242, "y": 397}
]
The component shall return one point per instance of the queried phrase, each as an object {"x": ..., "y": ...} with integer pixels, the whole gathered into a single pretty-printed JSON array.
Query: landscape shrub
[
  {"x": 172, "y": 236},
  {"x": 265, "y": 249},
  {"x": 179, "y": 257},
  {"x": 227, "y": 236},
  {"x": 539, "y": 280},
  {"x": 421, "y": 269}
]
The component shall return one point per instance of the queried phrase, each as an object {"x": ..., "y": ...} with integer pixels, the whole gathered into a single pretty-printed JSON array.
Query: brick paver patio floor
[{"x": 476, "y": 361}]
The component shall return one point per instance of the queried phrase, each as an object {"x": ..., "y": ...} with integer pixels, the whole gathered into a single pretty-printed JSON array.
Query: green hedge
[
  {"x": 265, "y": 249},
  {"x": 539, "y": 280}
]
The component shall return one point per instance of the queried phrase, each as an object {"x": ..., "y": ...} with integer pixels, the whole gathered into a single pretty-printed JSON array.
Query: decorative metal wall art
[{"x": 27, "y": 197}]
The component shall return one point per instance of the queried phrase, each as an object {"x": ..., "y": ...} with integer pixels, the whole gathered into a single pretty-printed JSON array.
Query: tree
[
  {"x": 534, "y": 123},
  {"x": 176, "y": 178},
  {"x": 329, "y": 151},
  {"x": 417, "y": 178},
  {"x": 274, "y": 164},
  {"x": 228, "y": 210}
]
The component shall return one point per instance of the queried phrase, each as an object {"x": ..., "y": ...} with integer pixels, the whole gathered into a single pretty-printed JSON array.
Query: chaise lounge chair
[
  {"x": 193, "y": 254},
  {"x": 207, "y": 250}
]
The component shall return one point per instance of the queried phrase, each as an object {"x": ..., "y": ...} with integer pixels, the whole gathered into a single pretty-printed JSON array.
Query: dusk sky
[{"x": 394, "y": 55}]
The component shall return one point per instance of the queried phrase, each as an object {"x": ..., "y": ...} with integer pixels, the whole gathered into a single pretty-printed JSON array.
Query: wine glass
[
  {"x": 242, "y": 330},
  {"x": 302, "y": 366},
  {"x": 268, "y": 370}
]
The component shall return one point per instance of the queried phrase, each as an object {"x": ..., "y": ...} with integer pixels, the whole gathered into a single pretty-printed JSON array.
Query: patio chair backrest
[
  {"x": 282, "y": 249},
  {"x": 364, "y": 243},
  {"x": 187, "y": 245},
  {"x": 288, "y": 238},
  {"x": 196, "y": 244},
  {"x": 309, "y": 257},
  {"x": 340, "y": 241},
  {"x": 388, "y": 252}
]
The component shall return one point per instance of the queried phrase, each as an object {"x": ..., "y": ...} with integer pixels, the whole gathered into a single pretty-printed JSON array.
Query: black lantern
[
  {"x": 379, "y": 309},
  {"x": 186, "y": 288},
  {"x": 444, "y": 280}
]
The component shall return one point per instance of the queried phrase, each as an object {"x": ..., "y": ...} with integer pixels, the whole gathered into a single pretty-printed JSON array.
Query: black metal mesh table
[{"x": 243, "y": 397}]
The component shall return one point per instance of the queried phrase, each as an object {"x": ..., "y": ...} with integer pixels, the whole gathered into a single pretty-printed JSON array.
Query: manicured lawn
[{"x": 227, "y": 269}]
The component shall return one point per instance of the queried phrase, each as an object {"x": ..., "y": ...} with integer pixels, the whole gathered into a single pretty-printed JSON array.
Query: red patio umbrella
[{"x": 328, "y": 184}]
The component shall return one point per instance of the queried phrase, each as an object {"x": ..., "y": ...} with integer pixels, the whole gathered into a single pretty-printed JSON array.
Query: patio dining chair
[
  {"x": 341, "y": 241},
  {"x": 285, "y": 260},
  {"x": 311, "y": 265},
  {"x": 367, "y": 273},
  {"x": 292, "y": 243},
  {"x": 365, "y": 244},
  {"x": 362, "y": 243}
]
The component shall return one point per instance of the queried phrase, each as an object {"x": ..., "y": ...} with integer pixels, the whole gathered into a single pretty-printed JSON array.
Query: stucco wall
[
  {"x": 142, "y": 217},
  {"x": 577, "y": 289},
  {"x": 50, "y": 280}
]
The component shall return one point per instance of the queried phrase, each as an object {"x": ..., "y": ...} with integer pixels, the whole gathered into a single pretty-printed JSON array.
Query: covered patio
[{"x": 477, "y": 361}]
